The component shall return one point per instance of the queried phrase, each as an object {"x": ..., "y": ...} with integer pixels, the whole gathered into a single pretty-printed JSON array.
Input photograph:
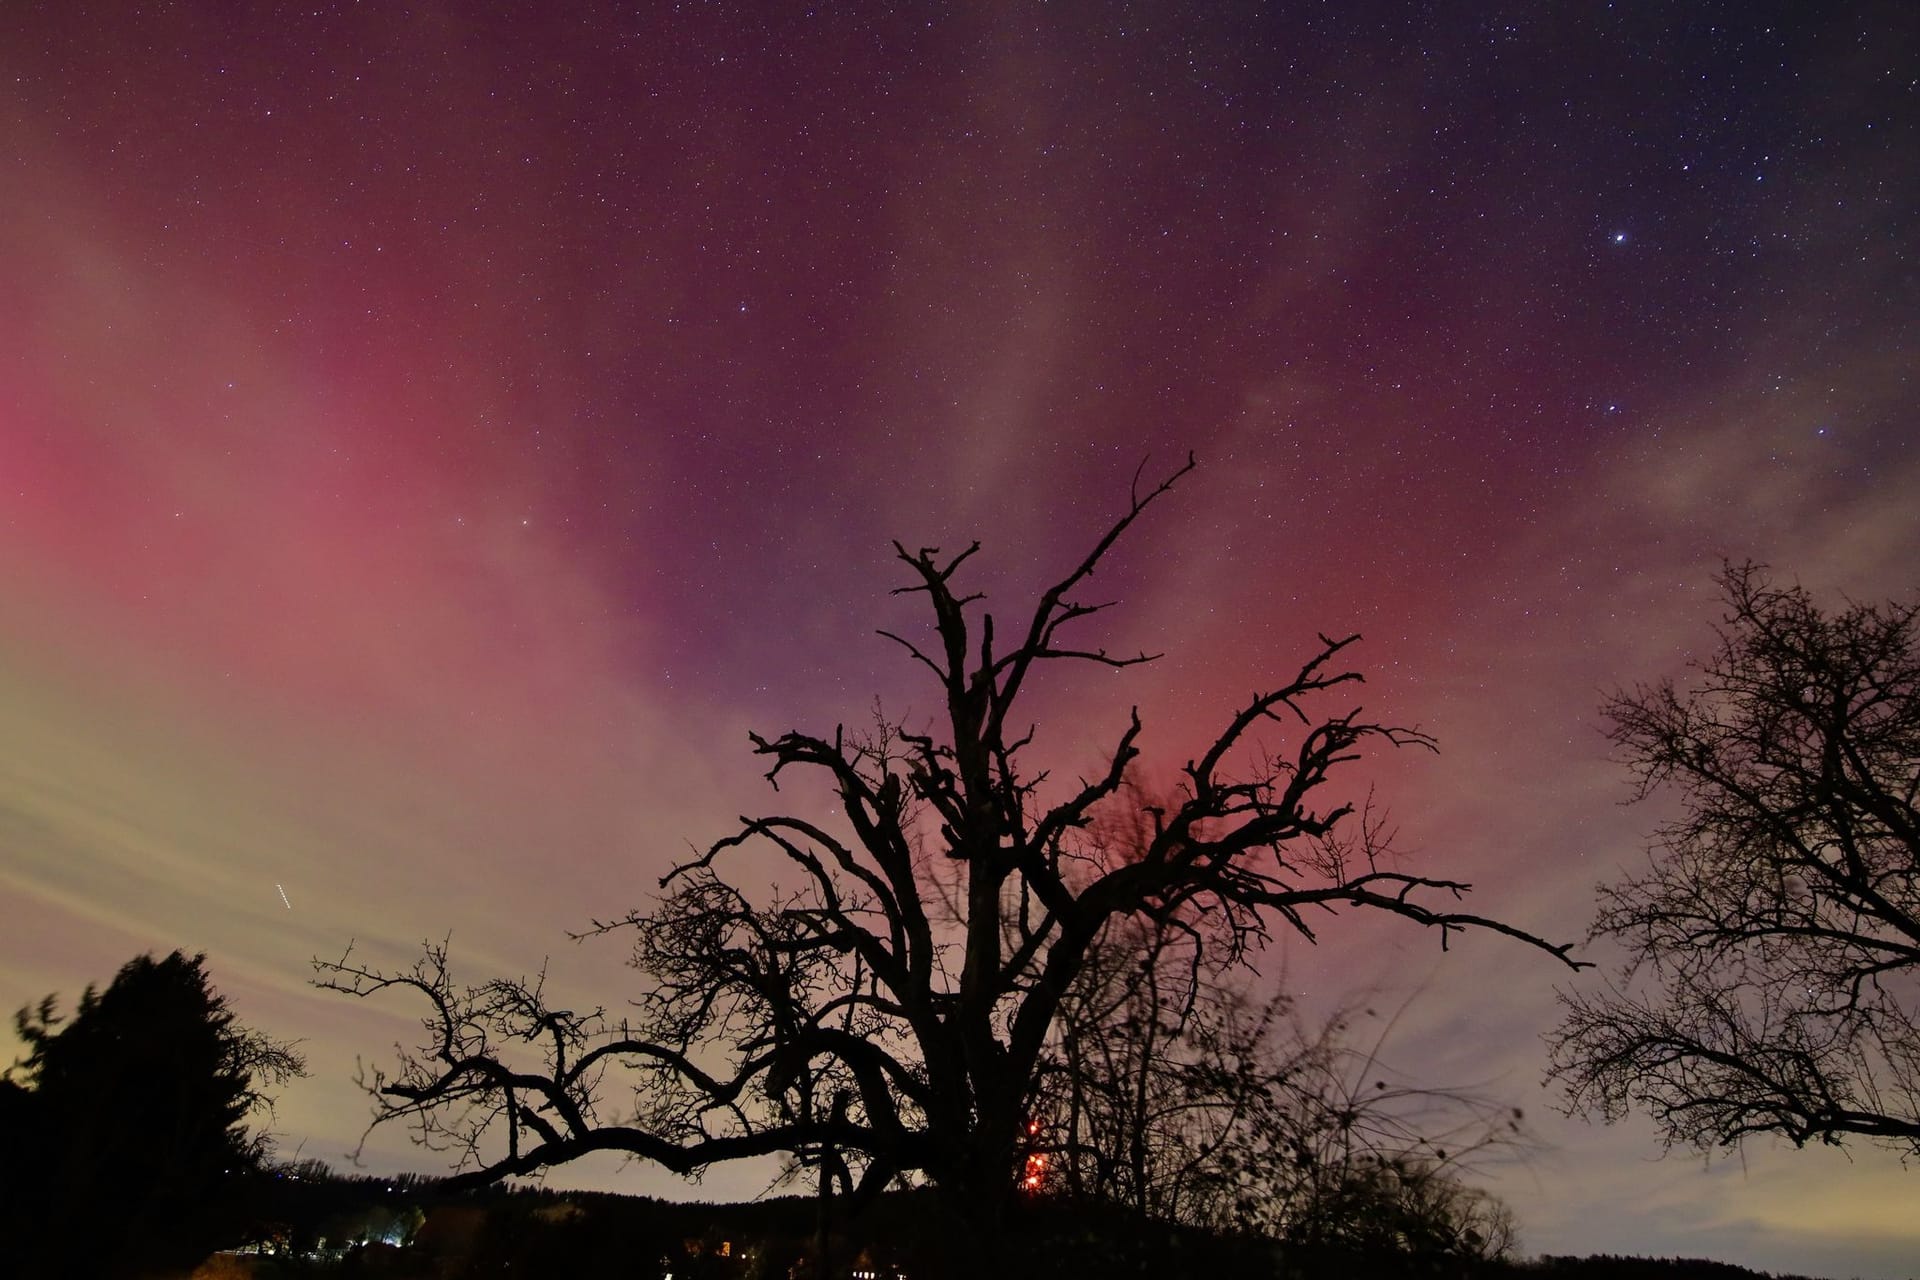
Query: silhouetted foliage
[
  {"x": 1776, "y": 937},
  {"x": 1172, "y": 1093},
  {"x": 126, "y": 1143},
  {"x": 889, "y": 1007}
]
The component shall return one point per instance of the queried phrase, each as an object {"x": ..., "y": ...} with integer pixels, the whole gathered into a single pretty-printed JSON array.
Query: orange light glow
[{"x": 1035, "y": 1172}]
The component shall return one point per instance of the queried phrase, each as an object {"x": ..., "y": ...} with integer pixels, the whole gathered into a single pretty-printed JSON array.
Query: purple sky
[{"x": 432, "y": 436}]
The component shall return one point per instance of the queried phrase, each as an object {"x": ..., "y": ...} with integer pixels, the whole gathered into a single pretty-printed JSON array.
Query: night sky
[{"x": 432, "y": 435}]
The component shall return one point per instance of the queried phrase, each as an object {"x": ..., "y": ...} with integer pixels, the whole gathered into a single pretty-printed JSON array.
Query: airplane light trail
[{"x": 283, "y": 897}]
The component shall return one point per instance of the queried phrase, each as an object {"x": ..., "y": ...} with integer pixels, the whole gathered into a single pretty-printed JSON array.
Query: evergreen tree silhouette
[{"x": 125, "y": 1134}]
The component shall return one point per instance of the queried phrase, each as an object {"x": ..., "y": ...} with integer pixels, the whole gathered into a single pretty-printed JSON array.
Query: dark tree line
[{"x": 892, "y": 1007}]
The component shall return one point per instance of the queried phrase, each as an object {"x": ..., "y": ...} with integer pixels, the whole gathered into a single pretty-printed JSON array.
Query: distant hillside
[
  {"x": 1610, "y": 1267},
  {"x": 321, "y": 1225}
]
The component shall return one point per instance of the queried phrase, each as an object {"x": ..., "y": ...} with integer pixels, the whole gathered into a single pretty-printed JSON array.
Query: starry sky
[{"x": 433, "y": 435}]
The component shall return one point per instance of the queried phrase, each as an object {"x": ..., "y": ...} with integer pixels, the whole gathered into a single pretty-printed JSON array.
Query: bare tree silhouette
[
  {"x": 894, "y": 1011},
  {"x": 1175, "y": 1093},
  {"x": 1775, "y": 976}
]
